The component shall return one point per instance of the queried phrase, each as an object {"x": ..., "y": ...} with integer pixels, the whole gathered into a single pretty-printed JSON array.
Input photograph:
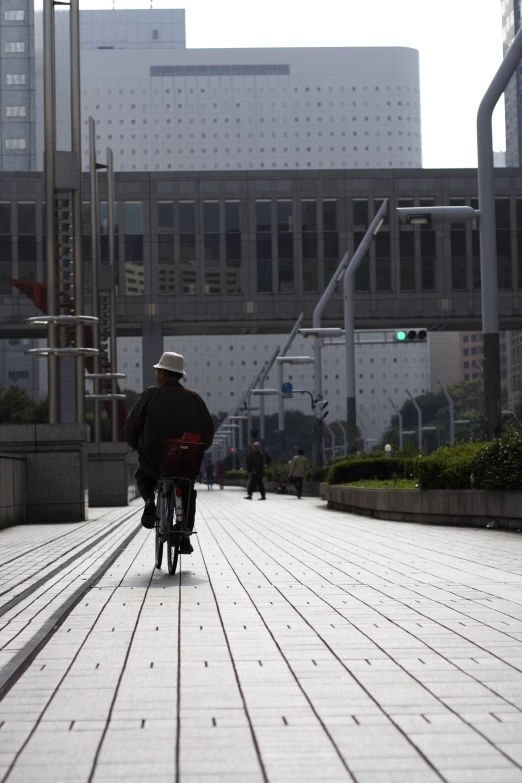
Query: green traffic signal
[{"x": 401, "y": 336}]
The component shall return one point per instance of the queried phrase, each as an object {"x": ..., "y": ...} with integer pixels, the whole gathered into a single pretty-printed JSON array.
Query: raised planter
[
  {"x": 12, "y": 490},
  {"x": 471, "y": 507},
  {"x": 310, "y": 489}
]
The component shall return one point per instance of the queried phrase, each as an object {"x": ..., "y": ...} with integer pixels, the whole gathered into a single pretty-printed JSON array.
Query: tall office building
[
  {"x": 511, "y": 14},
  {"x": 17, "y": 86},
  {"x": 161, "y": 106}
]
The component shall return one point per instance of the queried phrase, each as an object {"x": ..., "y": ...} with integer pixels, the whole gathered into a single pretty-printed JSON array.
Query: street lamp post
[
  {"x": 451, "y": 405},
  {"x": 281, "y": 360},
  {"x": 419, "y": 418},
  {"x": 399, "y": 416},
  {"x": 488, "y": 241},
  {"x": 349, "y": 317},
  {"x": 318, "y": 344}
]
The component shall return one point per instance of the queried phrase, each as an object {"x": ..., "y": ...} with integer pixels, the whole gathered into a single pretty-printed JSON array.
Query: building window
[
  {"x": 285, "y": 246},
  {"x": 155, "y": 35},
  {"x": 264, "y": 246},
  {"x": 167, "y": 270},
  {"x": 14, "y": 16},
  {"x": 309, "y": 242},
  {"x": 187, "y": 246},
  {"x": 233, "y": 247},
  {"x": 15, "y": 79},
  {"x": 16, "y": 144},
  {"x": 14, "y": 47},
  {"x": 15, "y": 111},
  {"x": 133, "y": 242},
  {"x": 211, "y": 225},
  {"x": 330, "y": 239}
]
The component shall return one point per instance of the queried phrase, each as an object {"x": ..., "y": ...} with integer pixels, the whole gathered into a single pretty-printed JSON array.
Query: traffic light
[
  {"x": 320, "y": 409},
  {"x": 410, "y": 335}
]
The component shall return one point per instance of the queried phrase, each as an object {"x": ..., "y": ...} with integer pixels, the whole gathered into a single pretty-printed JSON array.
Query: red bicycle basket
[{"x": 183, "y": 458}]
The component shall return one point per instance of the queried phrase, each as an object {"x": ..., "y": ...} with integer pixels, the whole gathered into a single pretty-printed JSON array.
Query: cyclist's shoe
[
  {"x": 185, "y": 547},
  {"x": 148, "y": 518}
]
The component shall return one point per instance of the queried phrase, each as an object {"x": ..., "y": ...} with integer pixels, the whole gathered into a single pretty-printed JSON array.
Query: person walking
[
  {"x": 256, "y": 462},
  {"x": 298, "y": 471},
  {"x": 221, "y": 475},
  {"x": 209, "y": 475}
]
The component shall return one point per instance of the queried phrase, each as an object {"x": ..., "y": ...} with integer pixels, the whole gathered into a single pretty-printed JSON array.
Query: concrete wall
[
  {"x": 473, "y": 508},
  {"x": 111, "y": 474},
  {"x": 12, "y": 490},
  {"x": 56, "y": 468}
]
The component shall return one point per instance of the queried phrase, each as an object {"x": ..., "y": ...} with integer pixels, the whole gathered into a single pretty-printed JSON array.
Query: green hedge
[
  {"x": 355, "y": 469},
  {"x": 498, "y": 465},
  {"x": 450, "y": 467},
  {"x": 236, "y": 474}
]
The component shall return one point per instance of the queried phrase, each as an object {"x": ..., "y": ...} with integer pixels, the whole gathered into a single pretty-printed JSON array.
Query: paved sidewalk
[{"x": 297, "y": 644}]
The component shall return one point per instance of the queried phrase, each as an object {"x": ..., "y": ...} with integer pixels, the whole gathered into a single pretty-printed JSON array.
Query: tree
[{"x": 18, "y": 407}]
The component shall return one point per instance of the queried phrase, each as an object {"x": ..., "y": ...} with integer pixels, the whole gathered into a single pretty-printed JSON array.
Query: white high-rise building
[{"x": 161, "y": 106}]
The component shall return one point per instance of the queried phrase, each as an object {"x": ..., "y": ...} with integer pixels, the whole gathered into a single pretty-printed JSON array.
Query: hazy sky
[{"x": 460, "y": 45}]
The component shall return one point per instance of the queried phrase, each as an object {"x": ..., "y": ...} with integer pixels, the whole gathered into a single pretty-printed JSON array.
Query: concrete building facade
[
  {"x": 511, "y": 17},
  {"x": 221, "y": 367},
  {"x": 163, "y": 107},
  {"x": 17, "y": 86}
]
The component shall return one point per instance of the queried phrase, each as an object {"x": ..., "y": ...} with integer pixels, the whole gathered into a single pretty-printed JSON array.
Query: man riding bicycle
[{"x": 166, "y": 410}]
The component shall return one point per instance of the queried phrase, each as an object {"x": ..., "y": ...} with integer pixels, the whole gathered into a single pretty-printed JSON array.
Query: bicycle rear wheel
[
  {"x": 159, "y": 548},
  {"x": 173, "y": 546}
]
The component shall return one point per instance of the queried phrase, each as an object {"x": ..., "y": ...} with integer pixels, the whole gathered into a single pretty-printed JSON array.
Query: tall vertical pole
[
  {"x": 488, "y": 239},
  {"x": 94, "y": 272},
  {"x": 451, "y": 412},
  {"x": 399, "y": 416},
  {"x": 113, "y": 336},
  {"x": 49, "y": 177},
  {"x": 318, "y": 344},
  {"x": 281, "y": 412},
  {"x": 419, "y": 419},
  {"x": 349, "y": 317},
  {"x": 76, "y": 147}
]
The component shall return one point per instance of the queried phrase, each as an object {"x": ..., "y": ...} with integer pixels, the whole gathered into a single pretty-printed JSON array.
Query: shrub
[
  {"x": 237, "y": 474},
  {"x": 318, "y": 474},
  {"x": 498, "y": 465},
  {"x": 450, "y": 467},
  {"x": 371, "y": 467}
]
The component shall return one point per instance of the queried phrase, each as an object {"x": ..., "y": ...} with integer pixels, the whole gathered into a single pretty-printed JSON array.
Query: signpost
[{"x": 287, "y": 390}]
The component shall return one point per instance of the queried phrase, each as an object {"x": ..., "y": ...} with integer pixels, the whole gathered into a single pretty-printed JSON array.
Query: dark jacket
[
  {"x": 256, "y": 462},
  {"x": 165, "y": 411}
]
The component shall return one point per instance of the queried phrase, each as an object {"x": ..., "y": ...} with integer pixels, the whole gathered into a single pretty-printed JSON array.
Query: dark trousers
[
  {"x": 147, "y": 485},
  {"x": 256, "y": 482},
  {"x": 298, "y": 481}
]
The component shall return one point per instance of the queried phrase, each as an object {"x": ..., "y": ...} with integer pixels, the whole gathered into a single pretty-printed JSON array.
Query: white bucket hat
[{"x": 173, "y": 362}]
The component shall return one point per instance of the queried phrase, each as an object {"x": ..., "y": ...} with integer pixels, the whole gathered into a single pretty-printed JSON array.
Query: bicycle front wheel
[{"x": 173, "y": 546}]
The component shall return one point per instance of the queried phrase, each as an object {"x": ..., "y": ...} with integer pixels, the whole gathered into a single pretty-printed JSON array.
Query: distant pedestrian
[
  {"x": 255, "y": 464},
  {"x": 209, "y": 475},
  {"x": 221, "y": 475},
  {"x": 299, "y": 470}
]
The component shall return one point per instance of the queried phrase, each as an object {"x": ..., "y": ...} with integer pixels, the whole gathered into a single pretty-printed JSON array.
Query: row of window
[
  {"x": 15, "y": 111},
  {"x": 14, "y": 16},
  {"x": 283, "y": 105},
  {"x": 259, "y": 89},
  {"x": 14, "y": 47},
  {"x": 285, "y": 242},
  {"x": 15, "y": 79},
  {"x": 16, "y": 144}
]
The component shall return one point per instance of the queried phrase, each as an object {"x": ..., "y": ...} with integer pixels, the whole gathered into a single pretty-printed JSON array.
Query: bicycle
[{"x": 182, "y": 462}]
